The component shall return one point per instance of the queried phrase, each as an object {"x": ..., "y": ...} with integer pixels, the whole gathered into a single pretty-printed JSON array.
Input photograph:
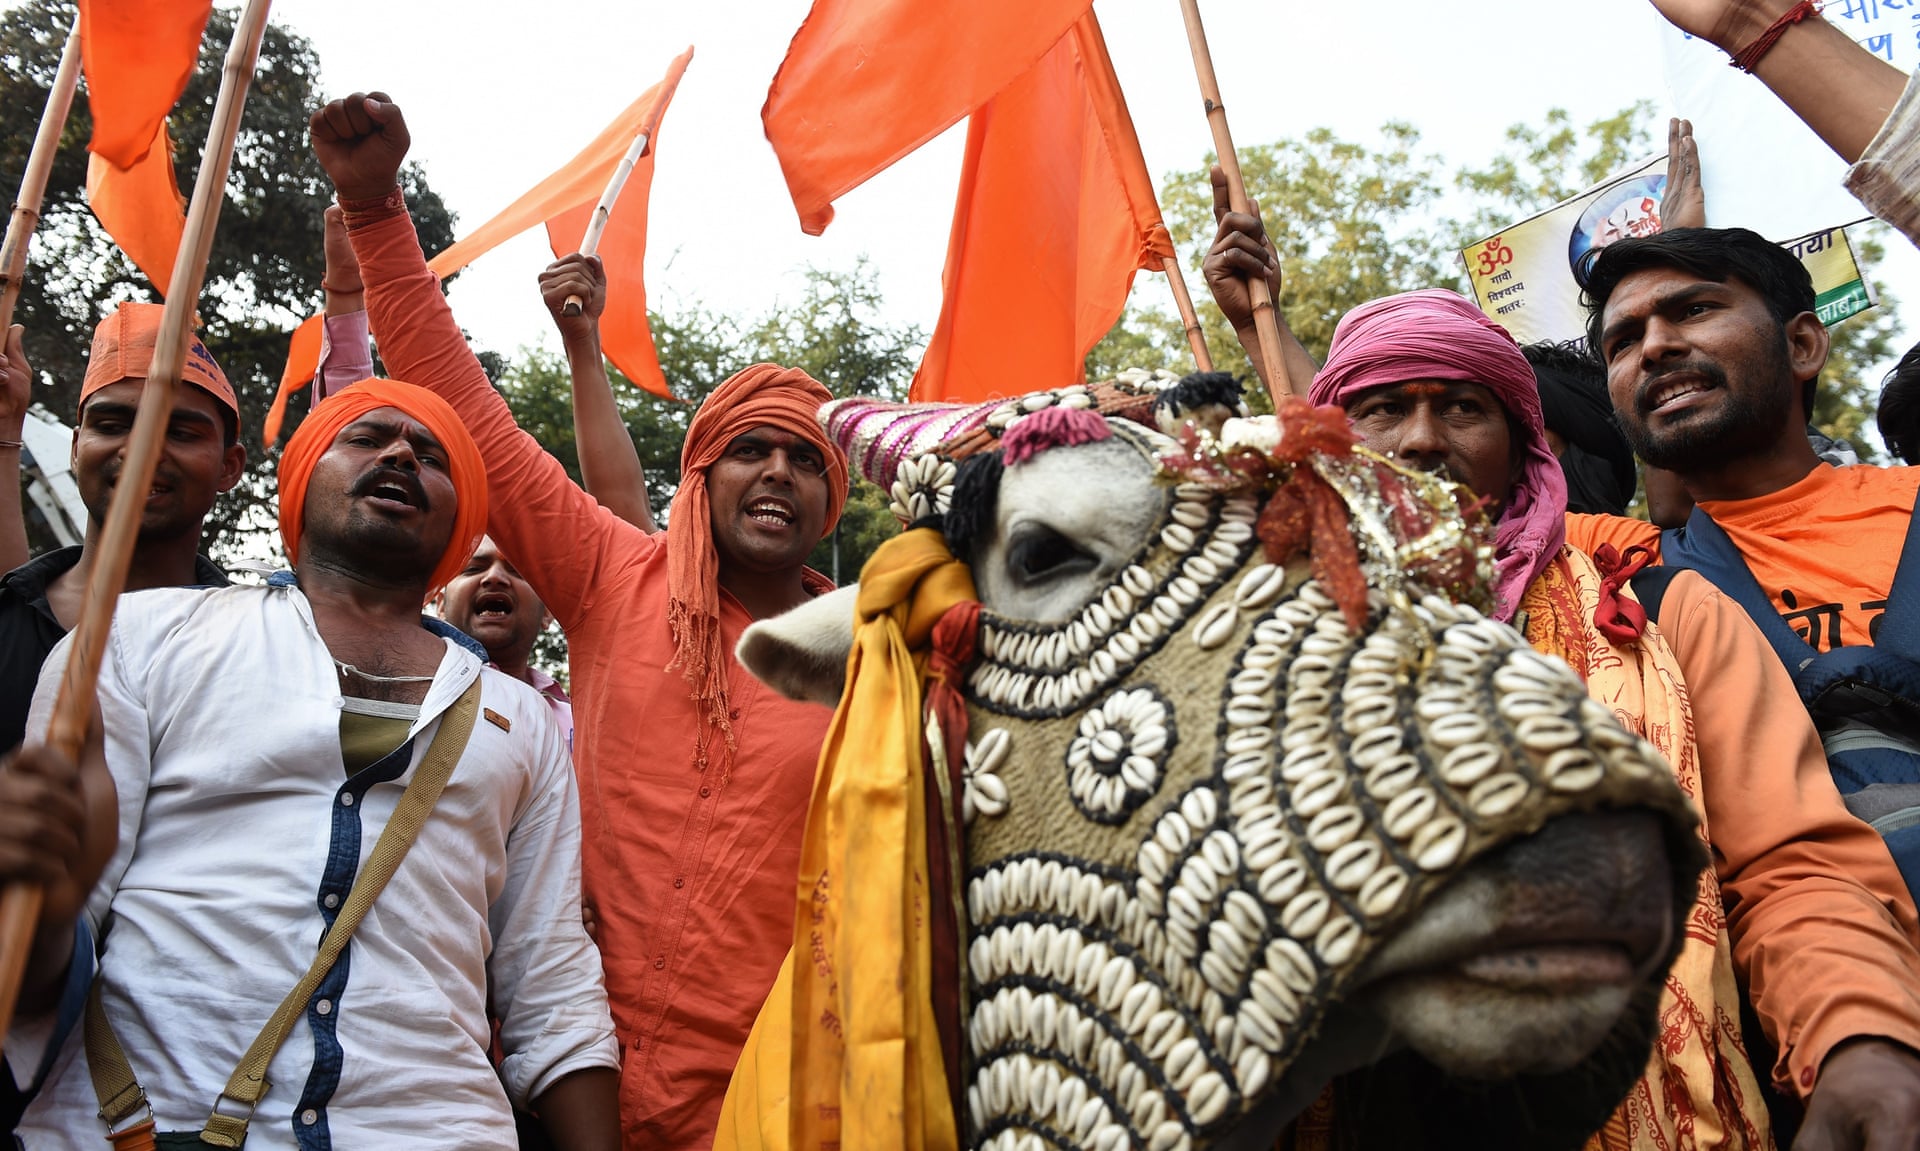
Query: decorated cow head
[{"x": 1254, "y": 793}]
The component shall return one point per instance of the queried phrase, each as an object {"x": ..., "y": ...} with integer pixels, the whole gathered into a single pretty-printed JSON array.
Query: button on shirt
[{"x": 238, "y": 835}]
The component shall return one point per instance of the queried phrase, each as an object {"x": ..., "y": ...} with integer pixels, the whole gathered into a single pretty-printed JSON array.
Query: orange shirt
[
  {"x": 1824, "y": 549},
  {"x": 690, "y": 866},
  {"x": 1823, "y": 928}
]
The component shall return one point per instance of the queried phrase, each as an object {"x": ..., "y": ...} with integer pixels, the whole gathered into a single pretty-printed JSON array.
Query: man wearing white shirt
[{"x": 259, "y": 740}]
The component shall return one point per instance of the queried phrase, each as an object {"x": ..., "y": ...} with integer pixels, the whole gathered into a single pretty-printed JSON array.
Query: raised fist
[{"x": 361, "y": 142}]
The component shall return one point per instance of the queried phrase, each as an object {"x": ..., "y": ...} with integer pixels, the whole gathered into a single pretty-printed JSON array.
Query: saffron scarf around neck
[{"x": 846, "y": 1050}]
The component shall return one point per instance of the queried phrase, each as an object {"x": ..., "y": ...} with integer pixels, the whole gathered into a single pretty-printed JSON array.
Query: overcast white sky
[{"x": 498, "y": 94}]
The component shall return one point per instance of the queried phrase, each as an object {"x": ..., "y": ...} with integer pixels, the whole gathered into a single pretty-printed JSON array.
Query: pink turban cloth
[{"x": 1438, "y": 335}]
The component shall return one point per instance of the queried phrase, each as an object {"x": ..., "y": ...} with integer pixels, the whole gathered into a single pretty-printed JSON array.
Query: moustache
[{"x": 406, "y": 481}]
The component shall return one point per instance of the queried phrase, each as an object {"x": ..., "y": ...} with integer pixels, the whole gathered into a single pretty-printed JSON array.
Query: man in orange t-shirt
[
  {"x": 694, "y": 778},
  {"x": 1712, "y": 347}
]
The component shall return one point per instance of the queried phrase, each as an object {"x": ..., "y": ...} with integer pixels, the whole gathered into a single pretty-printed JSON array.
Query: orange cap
[{"x": 123, "y": 350}]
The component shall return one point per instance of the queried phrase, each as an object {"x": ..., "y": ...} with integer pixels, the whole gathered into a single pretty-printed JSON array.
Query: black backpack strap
[
  {"x": 1650, "y": 587},
  {"x": 1703, "y": 546},
  {"x": 1899, "y": 629}
]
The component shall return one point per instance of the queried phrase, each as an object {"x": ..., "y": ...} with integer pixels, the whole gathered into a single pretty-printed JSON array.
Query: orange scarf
[
  {"x": 846, "y": 1051},
  {"x": 1699, "y": 1090},
  {"x": 762, "y": 395}
]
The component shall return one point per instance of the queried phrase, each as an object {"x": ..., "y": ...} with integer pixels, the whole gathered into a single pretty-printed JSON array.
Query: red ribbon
[{"x": 1619, "y": 618}]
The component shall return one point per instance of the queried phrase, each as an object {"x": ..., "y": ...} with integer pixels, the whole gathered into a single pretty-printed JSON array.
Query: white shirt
[{"x": 238, "y": 827}]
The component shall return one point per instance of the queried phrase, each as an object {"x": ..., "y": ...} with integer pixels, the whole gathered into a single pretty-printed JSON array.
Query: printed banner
[
  {"x": 1523, "y": 276},
  {"x": 1839, "y": 288},
  {"x": 1761, "y": 166}
]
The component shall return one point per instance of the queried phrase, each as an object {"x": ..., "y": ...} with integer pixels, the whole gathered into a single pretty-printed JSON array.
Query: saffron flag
[
  {"x": 625, "y": 336},
  {"x": 138, "y": 56},
  {"x": 141, "y": 207},
  {"x": 1055, "y": 215},
  {"x": 563, "y": 202},
  {"x": 576, "y": 183},
  {"x": 865, "y": 82}
]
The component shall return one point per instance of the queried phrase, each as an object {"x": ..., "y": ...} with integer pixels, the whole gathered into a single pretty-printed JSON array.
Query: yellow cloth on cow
[
  {"x": 1699, "y": 1090},
  {"x": 845, "y": 1053}
]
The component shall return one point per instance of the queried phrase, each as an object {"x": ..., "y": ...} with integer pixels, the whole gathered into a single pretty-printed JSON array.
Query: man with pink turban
[
  {"x": 694, "y": 777},
  {"x": 1432, "y": 382},
  {"x": 263, "y": 750},
  {"x": 1429, "y": 381}
]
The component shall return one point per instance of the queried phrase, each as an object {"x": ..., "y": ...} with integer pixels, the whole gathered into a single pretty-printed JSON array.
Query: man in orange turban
[
  {"x": 451, "y": 523},
  {"x": 262, "y": 742},
  {"x": 694, "y": 777}
]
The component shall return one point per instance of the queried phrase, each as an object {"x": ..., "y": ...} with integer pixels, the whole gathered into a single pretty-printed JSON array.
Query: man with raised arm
[
  {"x": 694, "y": 777},
  {"x": 263, "y": 744},
  {"x": 202, "y": 457}
]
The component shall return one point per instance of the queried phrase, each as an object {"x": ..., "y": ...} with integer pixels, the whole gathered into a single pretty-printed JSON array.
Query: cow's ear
[{"x": 803, "y": 653}]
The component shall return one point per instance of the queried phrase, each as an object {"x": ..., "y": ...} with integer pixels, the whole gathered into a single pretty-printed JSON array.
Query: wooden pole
[
  {"x": 73, "y": 708},
  {"x": 597, "y": 223},
  {"x": 33, "y": 182},
  {"x": 1189, "y": 319},
  {"x": 1265, "y": 321}
]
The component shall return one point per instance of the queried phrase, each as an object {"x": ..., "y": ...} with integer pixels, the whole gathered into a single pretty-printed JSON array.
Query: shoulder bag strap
[
  {"x": 1703, "y": 546},
  {"x": 120, "y": 1095}
]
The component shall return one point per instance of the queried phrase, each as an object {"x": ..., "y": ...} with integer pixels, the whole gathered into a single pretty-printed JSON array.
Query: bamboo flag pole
[
  {"x": 1189, "y": 319},
  {"x": 33, "y": 182},
  {"x": 1265, "y": 320},
  {"x": 73, "y": 708},
  {"x": 598, "y": 222}
]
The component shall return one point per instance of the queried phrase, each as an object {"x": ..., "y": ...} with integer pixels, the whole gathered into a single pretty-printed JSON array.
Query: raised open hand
[{"x": 1684, "y": 204}]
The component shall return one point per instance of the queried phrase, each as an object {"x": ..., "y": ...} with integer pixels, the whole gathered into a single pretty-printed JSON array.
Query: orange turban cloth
[
  {"x": 324, "y": 422},
  {"x": 762, "y": 395}
]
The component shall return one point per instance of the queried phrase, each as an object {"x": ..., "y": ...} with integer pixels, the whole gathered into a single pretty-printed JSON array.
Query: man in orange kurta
[
  {"x": 694, "y": 778},
  {"x": 1803, "y": 902}
]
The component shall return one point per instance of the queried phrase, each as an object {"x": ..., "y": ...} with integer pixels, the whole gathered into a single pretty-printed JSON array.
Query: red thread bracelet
[{"x": 1748, "y": 58}]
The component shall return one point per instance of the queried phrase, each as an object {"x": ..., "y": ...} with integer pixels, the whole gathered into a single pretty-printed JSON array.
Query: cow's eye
[{"x": 1038, "y": 553}]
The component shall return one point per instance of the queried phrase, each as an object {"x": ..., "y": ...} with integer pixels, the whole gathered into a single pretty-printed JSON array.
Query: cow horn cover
[{"x": 1228, "y": 796}]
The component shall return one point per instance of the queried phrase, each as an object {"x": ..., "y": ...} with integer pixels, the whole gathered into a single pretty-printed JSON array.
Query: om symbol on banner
[{"x": 1494, "y": 255}]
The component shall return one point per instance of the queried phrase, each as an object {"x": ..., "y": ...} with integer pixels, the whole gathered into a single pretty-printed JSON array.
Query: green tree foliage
[
  {"x": 832, "y": 332},
  {"x": 264, "y": 274},
  {"x": 1355, "y": 221}
]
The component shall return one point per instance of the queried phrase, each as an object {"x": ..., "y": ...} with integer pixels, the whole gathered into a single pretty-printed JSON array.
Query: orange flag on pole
[
  {"x": 141, "y": 208},
  {"x": 867, "y": 81},
  {"x": 577, "y": 183},
  {"x": 625, "y": 336},
  {"x": 1056, "y": 213},
  {"x": 563, "y": 202},
  {"x": 139, "y": 55}
]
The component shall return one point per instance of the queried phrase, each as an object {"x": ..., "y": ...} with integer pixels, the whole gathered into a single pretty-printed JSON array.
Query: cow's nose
[{"x": 1596, "y": 877}]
